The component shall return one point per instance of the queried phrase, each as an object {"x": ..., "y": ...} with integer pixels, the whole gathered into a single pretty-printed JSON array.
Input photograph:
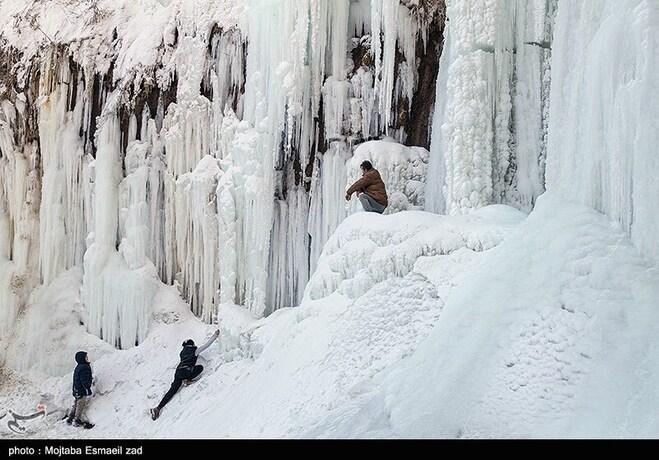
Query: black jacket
[
  {"x": 82, "y": 376},
  {"x": 188, "y": 357}
]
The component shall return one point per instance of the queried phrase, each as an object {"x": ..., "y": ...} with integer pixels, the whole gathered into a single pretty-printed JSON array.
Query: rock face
[{"x": 187, "y": 143}]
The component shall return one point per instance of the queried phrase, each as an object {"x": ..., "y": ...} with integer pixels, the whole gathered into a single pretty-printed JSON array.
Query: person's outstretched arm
[{"x": 213, "y": 338}]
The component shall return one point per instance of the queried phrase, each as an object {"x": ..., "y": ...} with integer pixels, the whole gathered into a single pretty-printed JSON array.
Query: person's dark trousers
[
  {"x": 180, "y": 375},
  {"x": 370, "y": 205}
]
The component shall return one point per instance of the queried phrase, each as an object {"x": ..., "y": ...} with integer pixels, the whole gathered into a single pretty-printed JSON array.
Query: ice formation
[
  {"x": 186, "y": 144},
  {"x": 490, "y": 124},
  {"x": 168, "y": 164},
  {"x": 603, "y": 125}
]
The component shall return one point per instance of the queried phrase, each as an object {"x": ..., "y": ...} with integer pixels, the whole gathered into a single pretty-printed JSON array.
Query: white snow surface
[
  {"x": 414, "y": 325},
  {"x": 552, "y": 335},
  {"x": 344, "y": 334}
]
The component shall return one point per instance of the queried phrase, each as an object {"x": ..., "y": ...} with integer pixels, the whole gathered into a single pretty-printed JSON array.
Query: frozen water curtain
[{"x": 213, "y": 161}]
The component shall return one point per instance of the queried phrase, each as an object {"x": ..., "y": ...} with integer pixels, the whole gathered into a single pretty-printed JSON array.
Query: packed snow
[
  {"x": 553, "y": 334},
  {"x": 366, "y": 307},
  {"x": 493, "y": 325}
]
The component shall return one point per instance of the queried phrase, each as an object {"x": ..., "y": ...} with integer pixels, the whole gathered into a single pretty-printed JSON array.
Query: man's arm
[
  {"x": 86, "y": 379},
  {"x": 362, "y": 183},
  {"x": 203, "y": 348}
]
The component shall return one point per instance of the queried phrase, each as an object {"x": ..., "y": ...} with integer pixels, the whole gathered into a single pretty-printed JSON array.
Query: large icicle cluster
[
  {"x": 549, "y": 94},
  {"x": 203, "y": 144}
]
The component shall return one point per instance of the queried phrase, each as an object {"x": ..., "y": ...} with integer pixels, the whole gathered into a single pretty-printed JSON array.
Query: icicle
[
  {"x": 197, "y": 235},
  {"x": 603, "y": 130},
  {"x": 328, "y": 207},
  {"x": 62, "y": 223},
  {"x": 117, "y": 296}
]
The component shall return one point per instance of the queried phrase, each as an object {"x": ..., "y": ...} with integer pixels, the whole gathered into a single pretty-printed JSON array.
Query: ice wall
[
  {"x": 604, "y": 120},
  {"x": 20, "y": 196},
  {"x": 490, "y": 123},
  {"x": 201, "y": 144},
  {"x": 546, "y": 94}
]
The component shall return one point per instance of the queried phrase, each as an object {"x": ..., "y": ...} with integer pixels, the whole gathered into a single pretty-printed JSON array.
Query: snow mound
[
  {"x": 330, "y": 349},
  {"x": 369, "y": 248},
  {"x": 552, "y": 334}
]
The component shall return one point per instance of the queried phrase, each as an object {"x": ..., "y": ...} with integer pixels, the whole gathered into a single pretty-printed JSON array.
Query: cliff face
[
  {"x": 208, "y": 144},
  {"x": 189, "y": 143}
]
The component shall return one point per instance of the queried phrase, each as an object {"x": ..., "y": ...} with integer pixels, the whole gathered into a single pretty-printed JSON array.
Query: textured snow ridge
[
  {"x": 331, "y": 349},
  {"x": 182, "y": 142},
  {"x": 553, "y": 334},
  {"x": 367, "y": 249}
]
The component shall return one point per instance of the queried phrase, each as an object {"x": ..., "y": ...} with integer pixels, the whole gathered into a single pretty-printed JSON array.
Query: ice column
[
  {"x": 117, "y": 291},
  {"x": 61, "y": 217}
]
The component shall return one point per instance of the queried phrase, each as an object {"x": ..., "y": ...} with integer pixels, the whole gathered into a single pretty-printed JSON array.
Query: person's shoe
[
  {"x": 155, "y": 413},
  {"x": 187, "y": 382},
  {"x": 69, "y": 420},
  {"x": 83, "y": 424}
]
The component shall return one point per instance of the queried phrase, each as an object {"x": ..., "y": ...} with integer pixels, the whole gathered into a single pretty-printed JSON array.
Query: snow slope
[
  {"x": 554, "y": 334},
  {"x": 414, "y": 325},
  {"x": 357, "y": 320}
]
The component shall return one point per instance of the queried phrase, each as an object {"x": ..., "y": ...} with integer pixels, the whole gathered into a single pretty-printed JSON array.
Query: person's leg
[
  {"x": 366, "y": 203},
  {"x": 176, "y": 384},
  {"x": 370, "y": 204},
  {"x": 198, "y": 369},
  {"x": 72, "y": 412},
  {"x": 81, "y": 405}
]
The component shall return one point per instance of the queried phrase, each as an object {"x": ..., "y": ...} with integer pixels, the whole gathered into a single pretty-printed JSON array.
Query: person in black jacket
[
  {"x": 82, "y": 391},
  {"x": 186, "y": 371}
]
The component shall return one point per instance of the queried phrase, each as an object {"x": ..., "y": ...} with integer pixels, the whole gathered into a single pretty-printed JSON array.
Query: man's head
[
  {"x": 82, "y": 357},
  {"x": 188, "y": 343},
  {"x": 366, "y": 166}
]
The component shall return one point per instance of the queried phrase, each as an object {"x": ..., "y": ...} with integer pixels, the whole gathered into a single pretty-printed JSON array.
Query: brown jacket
[{"x": 371, "y": 183}]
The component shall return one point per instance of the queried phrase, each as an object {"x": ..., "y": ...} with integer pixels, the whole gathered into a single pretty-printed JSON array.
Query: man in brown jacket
[{"x": 370, "y": 189}]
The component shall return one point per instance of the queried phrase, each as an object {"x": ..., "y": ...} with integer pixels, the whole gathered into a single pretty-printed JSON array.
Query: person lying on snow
[
  {"x": 82, "y": 391},
  {"x": 370, "y": 189},
  {"x": 186, "y": 371}
]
